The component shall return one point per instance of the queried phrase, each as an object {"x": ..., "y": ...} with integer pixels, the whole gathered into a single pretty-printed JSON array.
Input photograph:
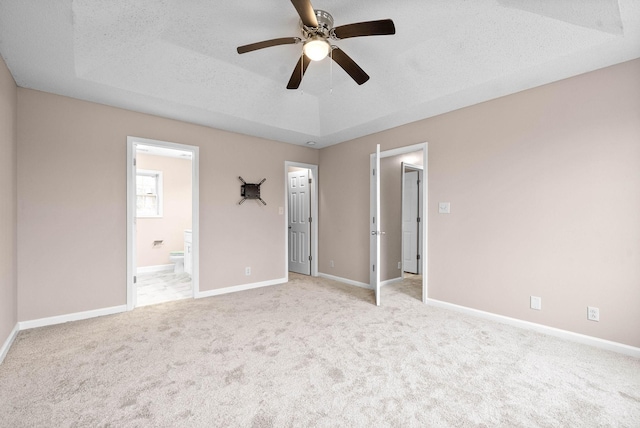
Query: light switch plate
[
  {"x": 536, "y": 303},
  {"x": 444, "y": 208}
]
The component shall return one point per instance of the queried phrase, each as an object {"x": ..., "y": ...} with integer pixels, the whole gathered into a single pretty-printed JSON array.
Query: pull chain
[
  {"x": 302, "y": 73},
  {"x": 331, "y": 72}
]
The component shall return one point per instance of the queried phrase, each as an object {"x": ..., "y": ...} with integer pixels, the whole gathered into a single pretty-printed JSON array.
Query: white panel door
[
  {"x": 374, "y": 221},
  {"x": 410, "y": 216},
  {"x": 299, "y": 222},
  {"x": 134, "y": 227}
]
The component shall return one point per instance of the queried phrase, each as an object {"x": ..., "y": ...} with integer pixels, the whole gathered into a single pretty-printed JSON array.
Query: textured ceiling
[{"x": 177, "y": 58}]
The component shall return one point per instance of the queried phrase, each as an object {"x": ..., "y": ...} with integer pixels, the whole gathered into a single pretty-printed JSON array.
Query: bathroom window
[{"x": 149, "y": 193}]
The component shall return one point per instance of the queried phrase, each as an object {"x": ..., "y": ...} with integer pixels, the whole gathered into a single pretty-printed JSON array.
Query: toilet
[{"x": 177, "y": 258}]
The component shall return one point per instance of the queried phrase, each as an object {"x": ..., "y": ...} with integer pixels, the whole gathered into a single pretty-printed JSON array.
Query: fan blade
[
  {"x": 298, "y": 72},
  {"x": 306, "y": 12},
  {"x": 268, "y": 44},
  {"x": 382, "y": 27},
  {"x": 349, "y": 65}
]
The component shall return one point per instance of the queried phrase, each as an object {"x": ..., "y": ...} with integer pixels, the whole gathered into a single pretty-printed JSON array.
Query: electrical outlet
[
  {"x": 247, "y": 271},
  {"x": 399, "y": 265},
  {"x": 536, "y": 303},
  {"x": 331, "y": 263},
  {"x": 593, "y": 314}
]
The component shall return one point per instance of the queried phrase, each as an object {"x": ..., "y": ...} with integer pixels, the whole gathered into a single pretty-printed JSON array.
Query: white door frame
[
  {"x": 374, "y": 223},
  {"x": 314, "y": 215},
  {"x": 131, "y": 212},
  {"x": 424, "y": 147}
]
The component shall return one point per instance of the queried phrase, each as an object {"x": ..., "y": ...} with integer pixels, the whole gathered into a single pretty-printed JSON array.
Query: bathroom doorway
[{"x": 162, "y": 222}]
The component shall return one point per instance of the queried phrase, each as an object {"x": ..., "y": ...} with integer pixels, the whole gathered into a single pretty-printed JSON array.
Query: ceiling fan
[{"x": 317, "y": 28}]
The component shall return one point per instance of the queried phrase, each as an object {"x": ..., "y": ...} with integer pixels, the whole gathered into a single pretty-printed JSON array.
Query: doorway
[
  {"x": 301, "y": 219},
  {"x": 411, "y": 220},
  {"x": 162, "y": 222},
  {"x": 387, "y": 244}
]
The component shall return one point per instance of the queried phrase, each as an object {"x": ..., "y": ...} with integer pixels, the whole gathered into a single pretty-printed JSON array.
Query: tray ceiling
[{"x": 178, "y": 59}]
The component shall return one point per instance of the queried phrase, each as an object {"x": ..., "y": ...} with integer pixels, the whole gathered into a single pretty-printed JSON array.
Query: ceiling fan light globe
[{"x": 316, "y": 49}]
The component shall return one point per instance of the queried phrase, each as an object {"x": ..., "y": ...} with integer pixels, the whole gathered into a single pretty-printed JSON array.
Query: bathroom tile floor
[{"x": 159, "y": 287}]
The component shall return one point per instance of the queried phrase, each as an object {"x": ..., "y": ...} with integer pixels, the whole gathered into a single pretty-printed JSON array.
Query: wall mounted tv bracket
[{"x": 250, "y": 191}]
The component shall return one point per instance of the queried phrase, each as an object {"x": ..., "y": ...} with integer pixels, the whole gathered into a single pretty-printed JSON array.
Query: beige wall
[
  {"x": 176, "y": 216},
  {"x": 72, "y": 201},
  {"x": 8, "y": 203},
  {"x": 544, "y": 192},
  {"x": 543, "y": 188}
]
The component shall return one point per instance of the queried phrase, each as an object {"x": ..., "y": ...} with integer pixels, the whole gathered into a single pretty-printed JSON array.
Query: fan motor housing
[
  {"x": 324, "y": 19},
  {"x": 325, "y": 25}
]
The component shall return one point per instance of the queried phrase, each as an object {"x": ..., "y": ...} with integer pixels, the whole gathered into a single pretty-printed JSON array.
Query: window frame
[{"x": 158, "y": 194}]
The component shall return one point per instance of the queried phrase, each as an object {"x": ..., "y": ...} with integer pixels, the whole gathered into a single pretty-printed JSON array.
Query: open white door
[
  {"x": 374, "y": 219},
  {"x": 131, "y": 225},
  {"x": 410, "y": 222},
  {"x": 299, "y": 222},
  {"x": 312, "y": 211}
]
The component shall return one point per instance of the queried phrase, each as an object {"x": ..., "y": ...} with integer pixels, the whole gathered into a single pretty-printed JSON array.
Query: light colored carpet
[{"x": 310, "y": 353}]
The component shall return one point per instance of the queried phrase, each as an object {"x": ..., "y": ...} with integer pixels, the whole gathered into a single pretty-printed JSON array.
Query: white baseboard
[
  {"x": 236, "y": 288},
  {"x": 345, "y": 280},
  {"x": 390, "y": 281},
  {"x": 552, "y": 331},
  {"x": 60, "y": 319},
  {"x": 7, "y": 343},
  {"x": 157, "y": 268}
]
